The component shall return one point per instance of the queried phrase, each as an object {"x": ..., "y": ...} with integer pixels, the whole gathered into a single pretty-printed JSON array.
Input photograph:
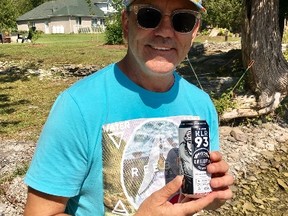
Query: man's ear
[{"x": 125, "y": 22}]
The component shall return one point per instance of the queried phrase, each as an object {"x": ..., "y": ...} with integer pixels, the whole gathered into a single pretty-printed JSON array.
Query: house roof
[{"x": 62, "y": 8}]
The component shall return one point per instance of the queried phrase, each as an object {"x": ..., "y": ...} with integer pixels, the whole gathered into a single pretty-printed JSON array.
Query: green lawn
[
  {"x": 59, "y": 49},
  {"x": 25, "y": 100}
]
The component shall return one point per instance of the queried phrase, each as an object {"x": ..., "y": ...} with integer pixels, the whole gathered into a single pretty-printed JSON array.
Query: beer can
[{"x": 194, "y": 147}]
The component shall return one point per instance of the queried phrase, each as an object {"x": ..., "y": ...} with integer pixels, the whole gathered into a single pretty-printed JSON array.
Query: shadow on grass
[
  {"x": 15, "y": 73},
  {"x": 3, "y": 55},
  {"x": 5, "y": 124},
  {"x": 7, "y": 107}
]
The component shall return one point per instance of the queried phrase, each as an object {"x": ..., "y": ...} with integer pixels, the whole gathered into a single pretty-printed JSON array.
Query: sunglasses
[{"x": 182, "y": 20}]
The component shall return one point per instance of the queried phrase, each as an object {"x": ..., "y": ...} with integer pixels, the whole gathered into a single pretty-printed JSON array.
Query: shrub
[{"x": 113, "y": 32}]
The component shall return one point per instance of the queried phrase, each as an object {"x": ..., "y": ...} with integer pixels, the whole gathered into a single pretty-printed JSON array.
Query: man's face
[{"x": 160, "y": 50}]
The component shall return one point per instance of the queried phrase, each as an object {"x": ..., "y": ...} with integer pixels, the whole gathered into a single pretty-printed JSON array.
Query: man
[{"x": 109, "y": 131}]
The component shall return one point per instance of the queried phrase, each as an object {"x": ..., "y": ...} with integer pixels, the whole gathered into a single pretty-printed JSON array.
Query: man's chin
[{"x": 161, "y": 67}]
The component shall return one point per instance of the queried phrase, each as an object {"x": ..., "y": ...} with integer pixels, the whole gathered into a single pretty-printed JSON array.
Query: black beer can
[{"x": 194, "y": 147}]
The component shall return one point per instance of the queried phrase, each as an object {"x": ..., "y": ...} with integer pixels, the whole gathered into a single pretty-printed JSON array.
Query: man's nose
[{"x": 165, "y": 28}]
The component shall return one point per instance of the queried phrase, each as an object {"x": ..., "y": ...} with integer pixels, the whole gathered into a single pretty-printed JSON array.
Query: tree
[
  {"x": 224, "y": 14},
  {"x": 8, "y": 15},
  {"x": 36, "y": 3},
  {"x": 261, "y": 42},
  {"x": 10, "y": 10}
]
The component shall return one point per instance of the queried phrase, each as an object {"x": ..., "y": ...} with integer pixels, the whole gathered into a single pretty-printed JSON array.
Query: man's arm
[{"x": 42, "y": 204}]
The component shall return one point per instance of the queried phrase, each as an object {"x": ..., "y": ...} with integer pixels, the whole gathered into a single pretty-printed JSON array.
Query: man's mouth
[{"x": 161, "y": 48}]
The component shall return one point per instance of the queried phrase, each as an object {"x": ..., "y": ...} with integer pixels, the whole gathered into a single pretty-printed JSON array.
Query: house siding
[
  {"x": 39, "y": 24},
  {"x": 68, "y": 17}
]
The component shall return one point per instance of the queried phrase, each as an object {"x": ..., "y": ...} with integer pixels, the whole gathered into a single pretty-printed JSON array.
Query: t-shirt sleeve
[{"x": 59, "y": 164}]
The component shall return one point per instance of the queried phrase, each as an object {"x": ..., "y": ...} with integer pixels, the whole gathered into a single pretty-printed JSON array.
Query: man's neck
[{"x": 150, "y": 81}]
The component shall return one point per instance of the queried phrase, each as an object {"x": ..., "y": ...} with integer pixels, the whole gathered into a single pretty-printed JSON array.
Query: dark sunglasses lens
[
  {"x": 183, "y": 22},
  {"x": 148, "y": 17}
]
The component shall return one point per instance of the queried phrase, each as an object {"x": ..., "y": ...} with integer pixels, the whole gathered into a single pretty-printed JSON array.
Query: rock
[
  {"x": 282, "y": 184},
  {"x": 259, "y": 144},
  {"x": 17, "y": 192},
  {"x": 270, "y": 147},
  {"x": 248, "y": 206},
  {"x": 225, "y": 130},
  {"x": 282, "y": 138},
  {"x": 238, "y": 135}
]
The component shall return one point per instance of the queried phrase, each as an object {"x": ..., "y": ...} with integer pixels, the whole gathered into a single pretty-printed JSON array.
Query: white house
[{"x": 65, "y": 16}]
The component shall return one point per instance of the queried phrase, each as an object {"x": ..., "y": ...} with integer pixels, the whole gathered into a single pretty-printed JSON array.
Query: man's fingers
[
  {"x": 215, "y": 156},
  {"x": 224, "y": 193},
  {"x": 169, "y": 189},
  {"x": 224, "y": 181},
  {"x": 198, "y": 204},
  {"x": 218, "y": 167}
]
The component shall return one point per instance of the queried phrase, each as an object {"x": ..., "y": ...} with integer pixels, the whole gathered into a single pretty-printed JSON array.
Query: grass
[
  {"x": 87, "y": 49},
  {"x": 25, "y": 100},
  {"x": 25, "y": 103},
  {"x": 217, "y": 39}
]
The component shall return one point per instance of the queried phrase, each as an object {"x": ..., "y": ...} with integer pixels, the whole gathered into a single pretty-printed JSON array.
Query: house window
[
  {"x": 79, "y": 21},
  {"x": 94, "y": 22},
  {"x": 31, "y": 24}
]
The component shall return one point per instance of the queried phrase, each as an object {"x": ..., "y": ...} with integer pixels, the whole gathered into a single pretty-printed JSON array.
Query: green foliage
[
  {"x": 35, "y": 36},
  {"x": 224, "y": 102},
  {"x": 117, "y": 5},
  {"x": 113, "y": 33},
  {"x": 8, "y": 15},
  {"x": 224, "y": 14},
  {"x": 10, "y": 10},
  {"x": 36, "y": 3}
]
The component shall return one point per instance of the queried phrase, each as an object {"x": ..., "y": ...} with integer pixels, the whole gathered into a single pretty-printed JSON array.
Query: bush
[{"x": 113, "y": 32}]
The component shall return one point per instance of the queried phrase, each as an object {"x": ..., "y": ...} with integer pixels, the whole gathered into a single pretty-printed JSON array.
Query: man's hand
[
  {"x": 158, "y": 205},
  {"x": 220, "y": 181}
]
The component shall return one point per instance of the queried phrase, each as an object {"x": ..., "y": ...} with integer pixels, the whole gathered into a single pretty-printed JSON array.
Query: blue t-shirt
[{"x": 108, "y": 143}]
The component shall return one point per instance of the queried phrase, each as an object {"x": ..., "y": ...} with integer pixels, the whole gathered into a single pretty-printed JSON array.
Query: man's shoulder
[
  {"x": 192, "y": 88},
  {"x": 94, "y": 80}
]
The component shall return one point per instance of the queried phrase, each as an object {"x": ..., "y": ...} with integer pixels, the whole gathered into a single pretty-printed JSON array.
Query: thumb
[{"x": 169, "y": 189}]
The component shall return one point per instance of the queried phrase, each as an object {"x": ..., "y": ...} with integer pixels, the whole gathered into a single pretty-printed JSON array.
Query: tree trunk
[{"x": 261, "y": 42}]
